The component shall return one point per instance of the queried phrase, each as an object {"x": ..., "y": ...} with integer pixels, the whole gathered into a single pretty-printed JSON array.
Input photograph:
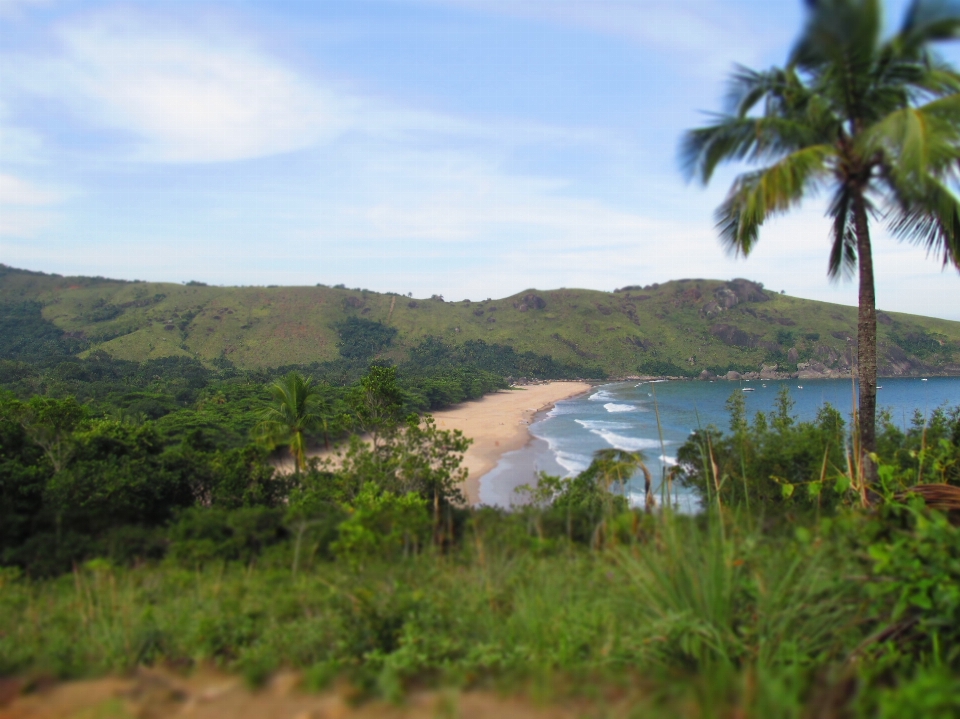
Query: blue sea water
[{"x": 623, "y": 415}]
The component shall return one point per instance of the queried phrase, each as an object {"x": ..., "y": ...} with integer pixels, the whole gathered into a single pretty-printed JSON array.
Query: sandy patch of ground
[{"x": 152, "y": 694}]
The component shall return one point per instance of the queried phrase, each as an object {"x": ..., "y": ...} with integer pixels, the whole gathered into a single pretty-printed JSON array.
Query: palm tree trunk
[{"x": 866, "y": 343}]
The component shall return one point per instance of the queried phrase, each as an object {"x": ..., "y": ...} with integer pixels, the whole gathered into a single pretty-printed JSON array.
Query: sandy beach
[{"x": 498, "y": 422}]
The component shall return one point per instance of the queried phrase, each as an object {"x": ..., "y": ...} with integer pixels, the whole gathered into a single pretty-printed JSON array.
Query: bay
[{"x": 624, "y": 415}]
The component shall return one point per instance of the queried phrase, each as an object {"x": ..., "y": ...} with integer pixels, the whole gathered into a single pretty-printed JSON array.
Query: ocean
[{"x": 623, "y": 415}]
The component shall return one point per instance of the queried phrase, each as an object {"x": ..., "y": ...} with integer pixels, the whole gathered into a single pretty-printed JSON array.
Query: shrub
[
  {"x": 201, "y": 535},
  {"x": 383, "y": 524}
]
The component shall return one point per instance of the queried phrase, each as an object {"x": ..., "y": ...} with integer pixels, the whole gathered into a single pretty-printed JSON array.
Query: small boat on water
[
  {"x": 799, "y": 386},
  {"x": 924, "y": 379},
  {"x": 748, "y": 389}
]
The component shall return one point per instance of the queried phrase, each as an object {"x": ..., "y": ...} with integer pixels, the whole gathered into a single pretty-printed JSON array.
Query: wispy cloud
[
  {"x": 183, "y": 94},
  {"x": 708, "y": 35},
  {"x": 179, "y": 95},
  {"x": 16, "y": 191},
  {"x": 26, "y": 208}
]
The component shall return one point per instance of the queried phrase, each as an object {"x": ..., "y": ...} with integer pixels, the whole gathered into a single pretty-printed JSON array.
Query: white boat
[
  {"x": 924, "y": 379},
  {"x": 748, "y": 389},
  {"x": 799, "y": 386}
]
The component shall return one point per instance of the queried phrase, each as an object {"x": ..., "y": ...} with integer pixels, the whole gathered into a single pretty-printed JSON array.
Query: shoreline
[{"x": 499, "y": 423}]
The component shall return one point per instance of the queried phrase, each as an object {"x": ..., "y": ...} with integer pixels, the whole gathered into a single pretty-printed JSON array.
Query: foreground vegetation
[
  {"x": 707, "y": 616},
  {"x": 785, "y": 597}
]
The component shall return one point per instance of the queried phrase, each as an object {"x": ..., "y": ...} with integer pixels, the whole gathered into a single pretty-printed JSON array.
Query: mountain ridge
[{"x": 688, "y": 327}]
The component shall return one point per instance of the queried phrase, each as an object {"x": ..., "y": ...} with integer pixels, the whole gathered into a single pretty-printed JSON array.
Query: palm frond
[
  {"x": 938, "y": 79},
  {"x": 838, "y": 52},
  {"x": 750, "y": 139},
  {"x": 747, "y": 87},
  {"x": 842, "y": 34},
  {"x": 843, "y": 253},
  {"x": 929, "y": 216},
  {"x": 929, "y": 21},
  {"x": 755, "y": 196},
  {"x": 916, "y": 141},
  {"x": 946, "y": 110}
]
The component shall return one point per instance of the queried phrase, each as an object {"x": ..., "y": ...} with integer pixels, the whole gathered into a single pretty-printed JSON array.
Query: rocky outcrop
[
  {"x": 733, "y": 336},
  {"x": 711, "y": 310},
  {"x": 818, "y": 370},
  {"x": 747, "y": 291},
  {"x": 732, "y": 294},
  {"x": 769, "y": 372},
  {"x": 530, "y": 302}
]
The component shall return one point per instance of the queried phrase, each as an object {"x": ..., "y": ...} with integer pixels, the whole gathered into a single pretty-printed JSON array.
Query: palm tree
[
  {"x": 618, "y": 465},
  {"x": 875, "y": 122},
  {"x": 292, "y": 412}
]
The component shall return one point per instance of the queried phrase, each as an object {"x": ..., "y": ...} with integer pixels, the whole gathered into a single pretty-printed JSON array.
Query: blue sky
[{"x": 471, "y": 148}]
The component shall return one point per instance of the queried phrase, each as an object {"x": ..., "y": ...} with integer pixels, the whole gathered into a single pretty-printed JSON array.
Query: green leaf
[{"x": 842, "y": 484}]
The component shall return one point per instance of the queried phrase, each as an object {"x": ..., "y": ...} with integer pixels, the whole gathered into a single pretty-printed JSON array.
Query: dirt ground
[{"x": 152, "y": 694}]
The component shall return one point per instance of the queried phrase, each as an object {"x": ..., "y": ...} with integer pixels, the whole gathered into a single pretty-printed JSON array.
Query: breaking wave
[{"x": 627, "y": 444}]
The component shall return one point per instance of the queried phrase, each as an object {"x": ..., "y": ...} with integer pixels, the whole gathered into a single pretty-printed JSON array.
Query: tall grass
[{"x": 727, "y": 614}]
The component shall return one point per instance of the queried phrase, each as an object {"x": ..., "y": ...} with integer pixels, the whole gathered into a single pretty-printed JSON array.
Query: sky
[{"x": 469, "y": 148}]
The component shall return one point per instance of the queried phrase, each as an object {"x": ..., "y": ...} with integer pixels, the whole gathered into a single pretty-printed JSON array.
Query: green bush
[
  {"x": 774, "y": 463},
  {"x": 201, "y": 535},
  {"x": 384, "y": 525},
  {"x": 931, "y": 693},
  {"x": 915, "y": 562}
]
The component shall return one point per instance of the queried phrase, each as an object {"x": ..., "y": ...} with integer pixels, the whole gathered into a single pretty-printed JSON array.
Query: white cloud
[
  {"x": 16, "y": 191},
  {"x": 184, "y": 96},
  {"x": 25, "y": 210},
  {"x": 22, "y": 224},
  {"x": 179, "y": 94}
]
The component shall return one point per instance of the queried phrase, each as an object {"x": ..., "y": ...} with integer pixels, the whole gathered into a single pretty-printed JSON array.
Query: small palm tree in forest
[
  {"x": 618, "y": 465},
  {"x": 292, "y": 412},
  {"x": 875, "y": 122}
]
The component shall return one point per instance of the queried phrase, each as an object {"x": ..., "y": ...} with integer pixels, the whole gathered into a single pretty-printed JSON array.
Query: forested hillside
[{"x": 681, "y": 328}]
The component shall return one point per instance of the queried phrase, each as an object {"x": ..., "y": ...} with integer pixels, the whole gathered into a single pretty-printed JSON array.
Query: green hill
[{"x": 684, "y": 327}]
